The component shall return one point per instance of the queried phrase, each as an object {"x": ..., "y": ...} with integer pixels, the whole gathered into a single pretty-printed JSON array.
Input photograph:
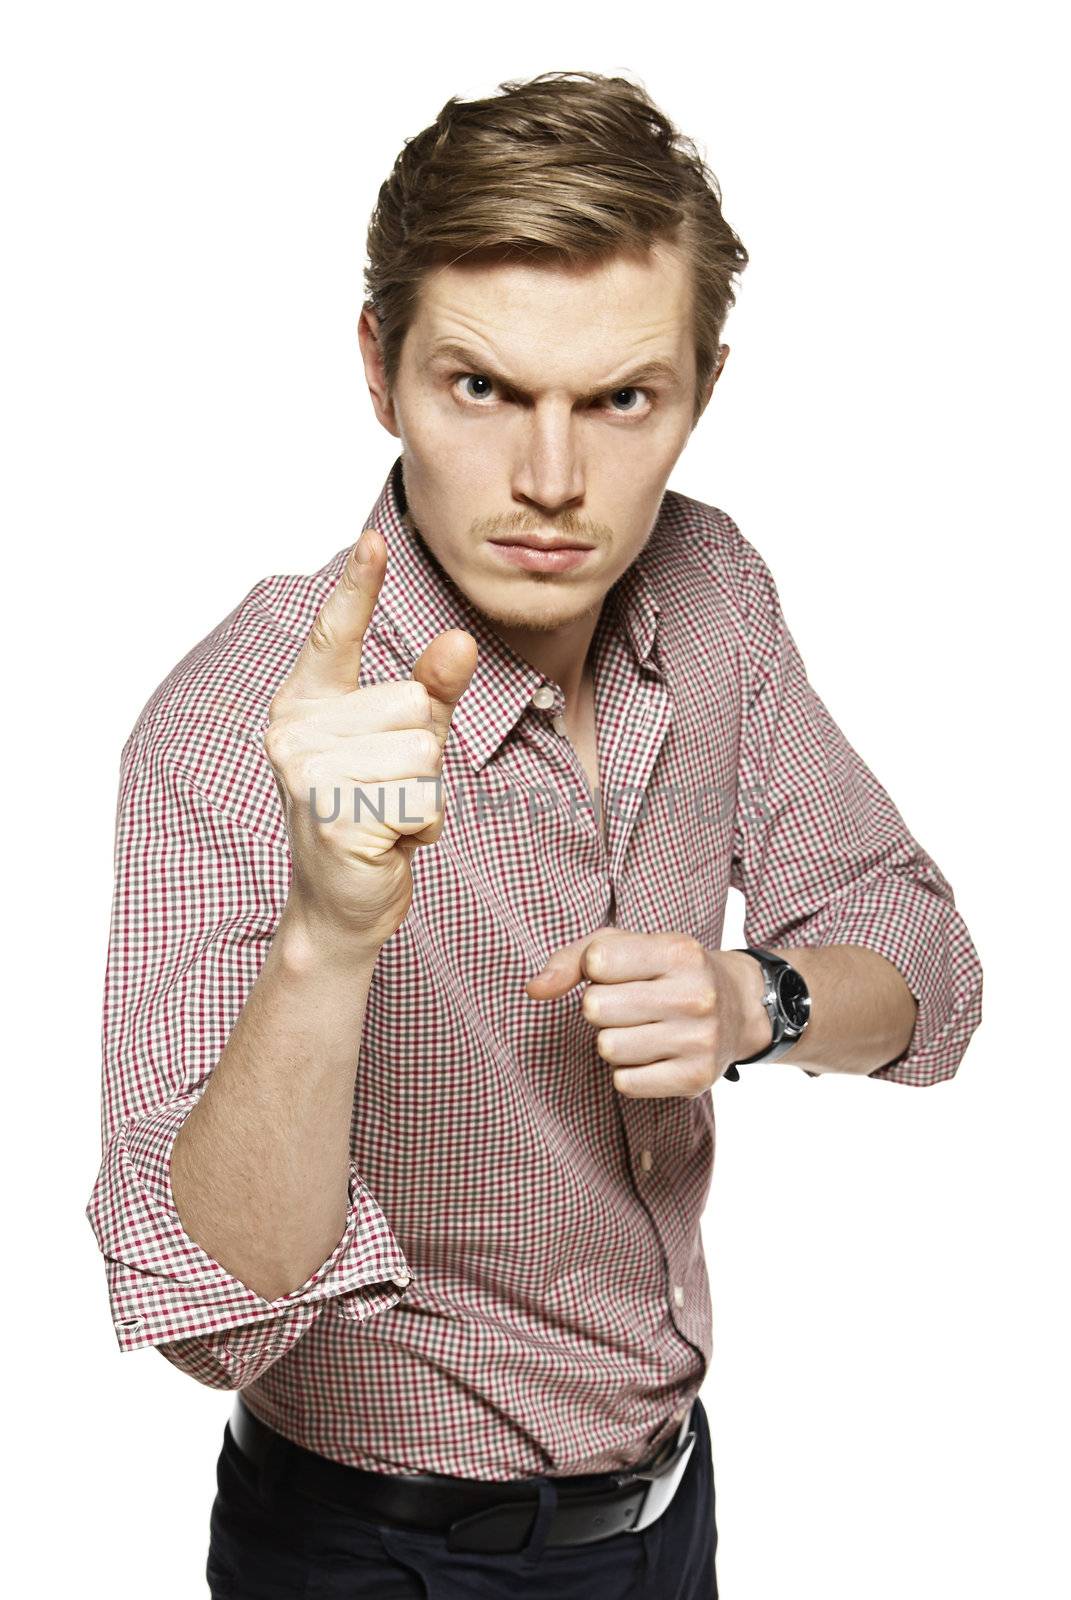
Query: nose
[{"x": 549, "y": 471}]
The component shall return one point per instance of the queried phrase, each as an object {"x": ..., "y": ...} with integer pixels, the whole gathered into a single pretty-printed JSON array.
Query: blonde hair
[{"x": 566, "y": 167}]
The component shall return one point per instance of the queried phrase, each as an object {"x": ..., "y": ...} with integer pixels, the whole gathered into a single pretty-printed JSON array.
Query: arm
[
  {"x": 195, "y": 910},
  {"x": 862, "y": 1011},
  {"x": 824, "y": 858},
  {"x": 259, "y": 1167},
  {"x": 229, "y": 1065}
]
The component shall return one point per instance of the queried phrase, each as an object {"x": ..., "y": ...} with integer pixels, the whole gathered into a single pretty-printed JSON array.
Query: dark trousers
[{"x": 268, "y": 1539}]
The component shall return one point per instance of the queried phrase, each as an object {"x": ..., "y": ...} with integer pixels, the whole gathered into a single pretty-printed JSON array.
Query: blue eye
[
  {"x": 475, "y": 377},
  {"x": 628, "y": 390}
]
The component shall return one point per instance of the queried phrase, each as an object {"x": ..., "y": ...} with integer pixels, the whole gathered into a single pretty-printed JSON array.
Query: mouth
[
  {"x": 530, "y": 542},
  {"x": 540, "y": 555}
]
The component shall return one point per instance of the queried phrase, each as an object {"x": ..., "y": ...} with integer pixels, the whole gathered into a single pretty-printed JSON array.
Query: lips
[
  {"x": 544, "y": 544},
  {"x": 539, "y": 556}
]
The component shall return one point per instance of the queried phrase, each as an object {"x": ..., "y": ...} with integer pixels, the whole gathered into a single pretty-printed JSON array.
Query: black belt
[{"x": 474, "y": 1513}]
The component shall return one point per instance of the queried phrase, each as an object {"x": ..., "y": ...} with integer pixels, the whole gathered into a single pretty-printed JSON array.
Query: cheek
[
  {"x": 448, "y": 465},
  {"x": 628, "y": 479},
  {"x": 636, "y": 460},
  {"x": 456, "y": 456}
]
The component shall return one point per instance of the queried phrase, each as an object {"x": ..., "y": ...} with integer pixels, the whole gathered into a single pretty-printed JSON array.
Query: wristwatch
[{"x": 788, "y": 1005}]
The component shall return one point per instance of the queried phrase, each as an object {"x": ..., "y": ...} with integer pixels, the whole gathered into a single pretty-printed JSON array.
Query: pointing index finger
[{"x": 329, "y": 661}]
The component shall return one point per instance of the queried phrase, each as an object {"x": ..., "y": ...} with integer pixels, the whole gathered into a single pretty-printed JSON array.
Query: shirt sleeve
[
  {"x": 196, "y": 901},
  {"x": 822, "y": 855}
]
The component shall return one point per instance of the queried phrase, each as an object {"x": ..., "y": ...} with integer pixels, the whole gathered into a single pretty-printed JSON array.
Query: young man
[{"x": 415, "y": 991}]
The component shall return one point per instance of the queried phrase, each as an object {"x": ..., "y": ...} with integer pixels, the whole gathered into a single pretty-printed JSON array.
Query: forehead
[{"x": 635, "y": 304}]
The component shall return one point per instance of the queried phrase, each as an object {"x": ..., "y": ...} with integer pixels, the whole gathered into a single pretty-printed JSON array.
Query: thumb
[
  {"x": 562, "y": 971},
  {"x": 445, "y": 669}
]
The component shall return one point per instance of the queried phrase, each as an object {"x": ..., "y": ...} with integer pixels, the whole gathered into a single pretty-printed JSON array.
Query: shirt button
[
  {"x": 401, "y": 1278},
  {"x": 543, "y": 697},
  {"x": 558, "y": 724},
  {"x": 678, "y": 1294},
  {"x": 645, "y": 1160}
]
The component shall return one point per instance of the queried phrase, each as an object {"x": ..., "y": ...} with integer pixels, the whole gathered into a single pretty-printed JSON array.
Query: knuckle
[
  {"x": 687, "y": 951},
  {"x": 597, "y": 958},
  {"x": 426, "y": 748},
  {"x": 319, "y": 640},
  {"x": 276, "y": 743},
  {"x": 291, "y": 780},
  {"x": 278, "y": 703},
  {"x": 419, "y": 703}
]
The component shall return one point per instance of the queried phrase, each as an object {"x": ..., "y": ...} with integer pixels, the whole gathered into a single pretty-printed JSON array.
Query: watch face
[{"x": 794, "y": 997}]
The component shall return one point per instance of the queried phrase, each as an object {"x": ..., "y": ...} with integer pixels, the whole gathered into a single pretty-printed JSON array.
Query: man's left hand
[{"x": 671, "y": 1014}]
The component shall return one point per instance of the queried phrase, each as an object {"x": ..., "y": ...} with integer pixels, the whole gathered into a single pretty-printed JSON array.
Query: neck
[{"x": 562, "y": 655}]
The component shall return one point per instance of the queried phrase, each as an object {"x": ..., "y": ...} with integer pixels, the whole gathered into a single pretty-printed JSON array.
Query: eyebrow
[{"x": 450, "y": 350}]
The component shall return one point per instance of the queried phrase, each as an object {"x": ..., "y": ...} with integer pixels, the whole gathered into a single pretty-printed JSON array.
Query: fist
[{"x": 671, "y": 1016}]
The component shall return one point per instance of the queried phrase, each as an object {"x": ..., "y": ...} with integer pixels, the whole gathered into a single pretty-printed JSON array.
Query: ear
[
  {"x": 375, "y": 374},
  {"x": 723, "y": 352}
]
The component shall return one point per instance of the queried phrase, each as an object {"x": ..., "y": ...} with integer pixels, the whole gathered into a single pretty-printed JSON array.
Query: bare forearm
[
  {"x": 862, "y": 1012},
  {"x": 260, "y": 1167}
]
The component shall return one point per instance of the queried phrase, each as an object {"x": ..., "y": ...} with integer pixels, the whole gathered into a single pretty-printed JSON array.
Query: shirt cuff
[
  {"x": 163, "y": 1286},
  {"x": 924, "y": 937}
]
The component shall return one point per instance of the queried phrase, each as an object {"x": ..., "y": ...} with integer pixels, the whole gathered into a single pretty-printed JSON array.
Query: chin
[{"x": 538, "y": 618}]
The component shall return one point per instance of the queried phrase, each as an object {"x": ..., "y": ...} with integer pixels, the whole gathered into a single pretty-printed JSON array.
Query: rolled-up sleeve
[
  {"x": 196, "y": 901},
  {"x": 822, "y": 855}
]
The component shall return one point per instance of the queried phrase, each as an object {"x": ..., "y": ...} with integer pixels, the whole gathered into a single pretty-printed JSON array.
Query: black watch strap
[{"x": 780, "y": 1043}]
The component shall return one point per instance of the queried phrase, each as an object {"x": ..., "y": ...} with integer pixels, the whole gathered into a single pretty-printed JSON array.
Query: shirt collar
[{"x": 419, "y": 599}]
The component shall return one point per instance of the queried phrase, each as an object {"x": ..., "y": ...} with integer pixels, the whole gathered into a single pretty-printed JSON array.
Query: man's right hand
[{"x": 352, "y": 877}]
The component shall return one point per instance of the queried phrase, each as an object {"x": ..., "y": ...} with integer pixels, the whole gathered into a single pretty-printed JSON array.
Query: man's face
[{"x": 541, "y": 421}]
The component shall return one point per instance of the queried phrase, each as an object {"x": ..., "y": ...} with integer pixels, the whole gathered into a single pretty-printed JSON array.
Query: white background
[{"x": 185, "y": 198}]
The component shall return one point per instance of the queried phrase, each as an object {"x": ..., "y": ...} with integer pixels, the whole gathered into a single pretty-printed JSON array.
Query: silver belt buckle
[{"x": 663, "y": 1480}]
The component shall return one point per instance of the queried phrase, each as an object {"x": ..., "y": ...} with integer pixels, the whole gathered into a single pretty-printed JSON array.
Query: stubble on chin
[{"x": 544, "y": 622}]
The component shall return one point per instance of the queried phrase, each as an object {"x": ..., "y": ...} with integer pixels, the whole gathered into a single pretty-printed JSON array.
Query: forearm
[
  {"x": 260, "y": 1167},
  {"x": 862, "y": 1012}
]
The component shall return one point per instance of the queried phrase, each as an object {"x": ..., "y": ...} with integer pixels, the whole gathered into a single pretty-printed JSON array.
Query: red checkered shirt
[{"x": 521, "y": 1286}]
